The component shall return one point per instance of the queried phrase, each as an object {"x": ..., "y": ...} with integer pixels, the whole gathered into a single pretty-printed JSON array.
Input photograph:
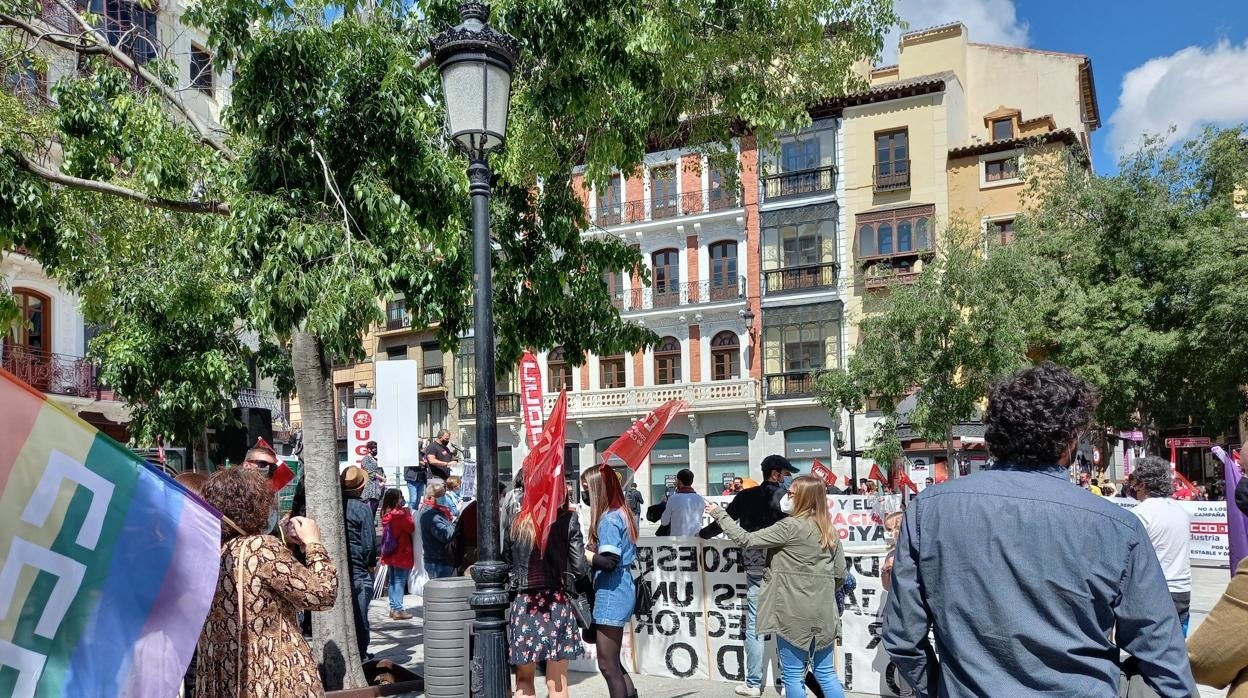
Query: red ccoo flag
[
  {"x": 903, "y": 478},
  {"x": 531, "y": 397},
  {"x": 544, "y": 490},
  {"x": 822, "y": 472},
  {"x": 876, "y": 474},
  {"x": 635, "y": 444},
  {"x": 1183, "y": 488}
]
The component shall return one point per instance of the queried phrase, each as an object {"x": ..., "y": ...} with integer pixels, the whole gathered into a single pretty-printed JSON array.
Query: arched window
[
  {"x": 559, "y": 371},
  {"x": 666, "y": 278},
  {"x": 725, "y": 356},
  {"x": 866, "y": 241},
  {"x": 667, "y": 361},
  {"x": 903, "y": 236},
  {"x": 723, "y": 270},
  {"x": 31, "y": 331},
  {"x": 884, "y": 238}
]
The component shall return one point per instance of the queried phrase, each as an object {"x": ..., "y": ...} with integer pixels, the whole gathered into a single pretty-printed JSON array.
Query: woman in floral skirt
[{"x": 542, "y": 626}]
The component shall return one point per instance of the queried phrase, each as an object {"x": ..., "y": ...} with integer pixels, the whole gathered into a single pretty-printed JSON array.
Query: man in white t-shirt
[
  {"x": 1169, "y": 528},
  {"x": 684, "y": 507}
]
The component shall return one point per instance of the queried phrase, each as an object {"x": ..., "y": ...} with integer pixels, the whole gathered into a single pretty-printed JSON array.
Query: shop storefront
[{"x": 727, "y": 456}]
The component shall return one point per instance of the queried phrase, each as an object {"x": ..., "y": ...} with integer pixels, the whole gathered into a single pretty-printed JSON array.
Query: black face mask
[{"x": 585, "y": 497}]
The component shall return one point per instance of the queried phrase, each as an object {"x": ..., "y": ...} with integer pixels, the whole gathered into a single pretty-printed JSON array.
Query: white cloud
[
  {"x": 1187, "y": 89},
  {"x": 987, "y": 21}
]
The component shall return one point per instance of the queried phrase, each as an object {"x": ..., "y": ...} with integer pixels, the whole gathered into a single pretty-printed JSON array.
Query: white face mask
[{"x": 786, "y": 504}]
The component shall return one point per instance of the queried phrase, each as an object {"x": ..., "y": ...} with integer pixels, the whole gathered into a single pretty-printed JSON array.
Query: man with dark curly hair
[{"x": 1028, "y": 583}]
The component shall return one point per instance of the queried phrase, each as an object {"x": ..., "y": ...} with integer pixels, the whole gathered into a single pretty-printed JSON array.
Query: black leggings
[{"x": 609, "y": 641}]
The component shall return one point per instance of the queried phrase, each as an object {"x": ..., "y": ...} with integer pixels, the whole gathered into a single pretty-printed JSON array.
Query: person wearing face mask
[
  {"x": 754, "y": 509},
  {"x": 440, "y": 457}
]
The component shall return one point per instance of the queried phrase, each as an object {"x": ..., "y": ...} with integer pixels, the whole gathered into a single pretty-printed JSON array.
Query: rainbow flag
[{"x": 107, "y": 567}]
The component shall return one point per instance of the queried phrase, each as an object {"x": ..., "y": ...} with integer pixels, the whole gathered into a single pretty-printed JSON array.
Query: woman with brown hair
[
  {"x": 805, "y": 567},
  {"x": 251, "y": 645},
  {"x": 612, "y": 547}
]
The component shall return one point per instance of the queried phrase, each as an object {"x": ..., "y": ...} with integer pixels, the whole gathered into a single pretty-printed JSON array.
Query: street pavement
[{"x": 402, "y": 642}]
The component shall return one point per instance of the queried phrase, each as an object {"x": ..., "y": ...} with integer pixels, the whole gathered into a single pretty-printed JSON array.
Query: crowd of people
[{"x": 969, "y": 611}]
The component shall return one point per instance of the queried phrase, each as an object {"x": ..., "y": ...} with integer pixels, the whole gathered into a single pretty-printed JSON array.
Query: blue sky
[{"x": 1156, "y": 64}]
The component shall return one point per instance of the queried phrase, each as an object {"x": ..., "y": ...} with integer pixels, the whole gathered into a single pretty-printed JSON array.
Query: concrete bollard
[{"x": 448, "y": 627}]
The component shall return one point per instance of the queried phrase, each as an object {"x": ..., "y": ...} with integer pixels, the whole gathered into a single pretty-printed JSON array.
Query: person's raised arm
[{"x": 773, "y": 536}]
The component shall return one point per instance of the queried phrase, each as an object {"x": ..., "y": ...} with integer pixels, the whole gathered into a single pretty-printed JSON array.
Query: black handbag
[
  {"x": 643, "y": 598},
  {"x": 580, "y": 593}
]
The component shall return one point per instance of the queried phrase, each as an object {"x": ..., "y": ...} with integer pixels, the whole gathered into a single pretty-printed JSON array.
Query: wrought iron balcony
[
  {"x": 884, "y": 279},
  {"x": 704, "y": 396},
  {"x": 793, "y": 384},
  {"x": 679, "y": 295},
  {"x": 397, "y": 316},
  {"x": 264, "y": 400},
  {"x": 660, "y": 208},
  {"x": 57, "y": 374},
  {"x": 891, "y": 176},
  {"x": 505, "y": 405},
  {"x": 434, "y": 377},
  {"x": 801, "y": 278},
  {"x": 815, "y": 180}
]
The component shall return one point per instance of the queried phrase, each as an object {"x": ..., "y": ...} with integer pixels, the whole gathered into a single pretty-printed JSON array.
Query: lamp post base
[{"x": 491, "y": 676}]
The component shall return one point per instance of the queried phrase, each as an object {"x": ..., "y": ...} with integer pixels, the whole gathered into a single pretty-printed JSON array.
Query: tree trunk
[{"x": 333, "y": 631}]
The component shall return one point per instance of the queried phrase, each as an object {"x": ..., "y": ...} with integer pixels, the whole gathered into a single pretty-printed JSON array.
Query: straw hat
[{"x": 353, "y": 478}]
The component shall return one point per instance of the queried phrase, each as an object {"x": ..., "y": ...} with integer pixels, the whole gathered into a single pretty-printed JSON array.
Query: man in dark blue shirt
[
  {"x": 361, "y": 550},
  {"x": 1029, "y": 584}
]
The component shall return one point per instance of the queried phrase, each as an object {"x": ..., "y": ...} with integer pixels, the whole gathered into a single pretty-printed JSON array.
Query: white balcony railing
[{"x": 702, "y": 397}]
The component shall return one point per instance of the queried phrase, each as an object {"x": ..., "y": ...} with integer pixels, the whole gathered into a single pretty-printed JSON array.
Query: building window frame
[
  {"x": 994, "y": 170},
  {"x": 1007, "y": 134},
  {"x": 667, "y": 360},
  {"x": 724, "y": 264},
  {"x": 19, "y": 334},
  {"x": 664, "y": 191},
  {"x": 612, "y": 372},
  {"x": 609, "y": 200},
  {"x": 203, "y": 77},
  {"x": 912, "y": 225},
  {"x": 558, "y": 371},
  {"x": 892, "y": 159},
  {"x": 999, "y": 230},
  {"x": 665, "y": 272},
  {"x": 725, "y": 356}
]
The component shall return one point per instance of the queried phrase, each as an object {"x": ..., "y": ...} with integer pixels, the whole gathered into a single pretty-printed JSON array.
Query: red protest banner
[
  {"x": 544, "y": 489},
  {"x": 531, "y": 397},
  {"x": 635, "y": 444},
  {"x": 822, "y": 472}
]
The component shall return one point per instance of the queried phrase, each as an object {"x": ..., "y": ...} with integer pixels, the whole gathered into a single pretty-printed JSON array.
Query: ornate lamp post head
[
  {"x": 476, "y": 63},
  {"x": 362, "y": 397}
]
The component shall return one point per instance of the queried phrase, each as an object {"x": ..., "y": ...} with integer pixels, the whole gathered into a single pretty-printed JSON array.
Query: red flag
[
  {"x": 282, "y": 475},
  {"x": 876, "y": 474},
  {"x": 544, "y": 490},
  {"x": 635, "y": 444},
  {"x": 821, "y": 471},
  {"x": 848, "y": 481},
  {"x": 531, "y": 397},
  {"x": 261, "y": 443},
  {"x": 903, "y": 478},
  {"x": 1183, "y": 488}
]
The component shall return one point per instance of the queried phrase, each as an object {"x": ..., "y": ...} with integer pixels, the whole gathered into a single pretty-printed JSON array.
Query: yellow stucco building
[{"x": 945, "y": 136}]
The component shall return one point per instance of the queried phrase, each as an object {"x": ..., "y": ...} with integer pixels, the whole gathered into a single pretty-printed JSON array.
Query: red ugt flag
[
  {"x": 635, "y": 444},
  {"x": 821, "y": 471},
  {"x": 531, "y": 397},
  {"x": 544, "y": 491}
]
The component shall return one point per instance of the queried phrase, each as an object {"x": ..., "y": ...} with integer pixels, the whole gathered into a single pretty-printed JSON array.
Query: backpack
[{"x": 389, "y": 542}]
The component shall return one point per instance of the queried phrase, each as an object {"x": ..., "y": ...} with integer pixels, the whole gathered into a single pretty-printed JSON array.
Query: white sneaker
[{"x": 744, "y": 690}]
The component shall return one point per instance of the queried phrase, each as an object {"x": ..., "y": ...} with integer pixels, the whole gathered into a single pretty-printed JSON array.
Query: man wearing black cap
[{"x": 756, "y": 508}]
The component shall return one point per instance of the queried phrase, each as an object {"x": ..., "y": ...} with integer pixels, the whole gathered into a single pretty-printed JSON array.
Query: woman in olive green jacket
[{"x": 797, "y": 603}]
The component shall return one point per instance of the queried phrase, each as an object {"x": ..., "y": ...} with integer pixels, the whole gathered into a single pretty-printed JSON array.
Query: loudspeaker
[{"x": 234, "y": 440}]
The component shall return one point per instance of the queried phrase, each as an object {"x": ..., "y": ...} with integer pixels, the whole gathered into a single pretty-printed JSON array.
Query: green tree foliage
[
  {"x": 1142, "y": 281},
  {"x": 964, "y": 321}
]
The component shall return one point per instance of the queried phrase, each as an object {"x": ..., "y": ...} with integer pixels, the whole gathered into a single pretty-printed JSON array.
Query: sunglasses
[{"x": 262, "y": 463}]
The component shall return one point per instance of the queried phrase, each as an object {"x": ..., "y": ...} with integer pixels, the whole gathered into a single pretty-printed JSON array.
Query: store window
[
  {"x": 727, "y": 456},
  {"x": 804, "y": 445},
  {"x": 670, "y": 456}
]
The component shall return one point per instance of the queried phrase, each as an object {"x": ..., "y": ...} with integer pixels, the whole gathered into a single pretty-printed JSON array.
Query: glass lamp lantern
[{"x": 475, "y": 62}]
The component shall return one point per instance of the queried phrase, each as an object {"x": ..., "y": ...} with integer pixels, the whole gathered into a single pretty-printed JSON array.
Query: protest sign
[
  {"x": 1209, "y": 535},
  {"x": 696, "y": 628},
  {"x": 859, "y": 518}
]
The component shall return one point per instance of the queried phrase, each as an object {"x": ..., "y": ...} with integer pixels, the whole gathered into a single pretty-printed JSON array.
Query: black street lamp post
[{"x": 476, "y": 62}]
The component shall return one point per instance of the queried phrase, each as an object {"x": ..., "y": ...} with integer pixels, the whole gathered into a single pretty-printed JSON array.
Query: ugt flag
[
  {"x": 636, "y": 443},
  {"x": 107, "y": 567}
]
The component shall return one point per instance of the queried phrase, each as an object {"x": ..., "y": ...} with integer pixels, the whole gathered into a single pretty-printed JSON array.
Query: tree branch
[
  {"x": 170, "y": 95},
  {"x": 219, "y": 208},
  {"x": 55, "y": 38}
]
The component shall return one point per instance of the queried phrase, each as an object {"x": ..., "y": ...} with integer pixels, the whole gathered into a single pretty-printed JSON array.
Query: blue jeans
[
  {"x": 398, "y": 587},
  {"x": 753, "y": 643},
  {"x": 362, "y": 595},
  {"x": 793, "y": 667},
  {"x": 439, "y": 570},
  {"x": 415, "y": 490}
]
